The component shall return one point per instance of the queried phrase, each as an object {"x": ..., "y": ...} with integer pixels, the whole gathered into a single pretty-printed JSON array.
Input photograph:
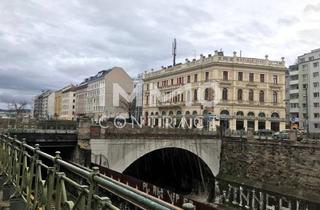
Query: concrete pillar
[
  {"x": 256, "y": 125},
  {"x": 159, "y": 122},
  {"x": 268, "y": 124},
  {"x": 149, "y": 121},
  {"x": 232, "y": 124},
  {"x": 245, "y": 124}
]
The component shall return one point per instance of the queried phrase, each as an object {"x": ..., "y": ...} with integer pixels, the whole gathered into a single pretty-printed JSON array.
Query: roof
[{"x": 99, "y": 75}]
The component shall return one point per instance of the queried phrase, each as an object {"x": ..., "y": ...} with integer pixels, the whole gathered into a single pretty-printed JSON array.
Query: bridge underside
[{"x": 175, "y": 169}]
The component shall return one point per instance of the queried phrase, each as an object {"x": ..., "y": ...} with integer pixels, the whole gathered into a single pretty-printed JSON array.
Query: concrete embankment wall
[{"x": 289, "y": 168}]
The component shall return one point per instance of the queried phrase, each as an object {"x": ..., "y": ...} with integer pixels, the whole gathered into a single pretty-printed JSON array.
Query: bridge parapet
[{"x": 63, "y": 185}]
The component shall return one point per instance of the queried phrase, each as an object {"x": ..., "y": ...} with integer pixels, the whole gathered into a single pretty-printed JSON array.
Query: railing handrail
[{"x": 128, "y": 193}]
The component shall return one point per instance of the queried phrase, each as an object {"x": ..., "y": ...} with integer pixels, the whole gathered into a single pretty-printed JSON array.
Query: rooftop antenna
[{"x": 174, "y": 51}]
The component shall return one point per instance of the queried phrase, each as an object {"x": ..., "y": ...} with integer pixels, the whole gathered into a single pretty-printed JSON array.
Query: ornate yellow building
[{"x": 238, "y": 92}]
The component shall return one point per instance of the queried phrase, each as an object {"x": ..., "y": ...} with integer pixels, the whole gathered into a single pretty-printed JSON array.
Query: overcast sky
[{"x": 47, "y": 44}]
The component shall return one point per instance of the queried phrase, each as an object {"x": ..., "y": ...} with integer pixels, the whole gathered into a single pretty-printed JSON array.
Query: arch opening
[{"x": 175, "y": 169}]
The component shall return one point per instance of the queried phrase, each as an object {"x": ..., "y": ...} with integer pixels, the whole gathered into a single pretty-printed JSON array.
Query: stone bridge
[{"x": 119, "y": 152}]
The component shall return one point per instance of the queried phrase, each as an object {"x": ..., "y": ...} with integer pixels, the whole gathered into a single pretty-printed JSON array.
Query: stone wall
[{"x": 289, "y": 168}]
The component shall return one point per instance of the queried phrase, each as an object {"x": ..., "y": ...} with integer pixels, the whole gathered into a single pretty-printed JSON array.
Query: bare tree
[{"x": 18, "y": 108}]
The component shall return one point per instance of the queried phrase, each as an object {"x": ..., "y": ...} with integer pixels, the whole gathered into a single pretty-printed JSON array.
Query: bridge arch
[
  {"x": 121, "y": 153},
  {"x": 172, "y": 168}
]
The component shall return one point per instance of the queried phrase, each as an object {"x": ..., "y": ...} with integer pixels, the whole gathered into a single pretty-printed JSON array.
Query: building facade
[
  {"x": 40, "y": 105},
  {"x": 239, "y": 92},
  {"x": 68, "y": 102},
  {"x": 95, "y": 95},
  {"x": 304, "y": 92}
]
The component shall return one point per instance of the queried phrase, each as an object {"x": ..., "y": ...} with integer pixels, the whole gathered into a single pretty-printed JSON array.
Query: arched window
[
  {"x": 261, "y": 96},
  {"x": 225, "y": 94},
  {"x": 163, "y": 113},
  {"x": 274, "y": 115},
  {"x": 250, "y": 95},
  {"x": 225, "y": 75},
  {"x": 240, "y": 95},
  {"x": 275, "y": 97}
]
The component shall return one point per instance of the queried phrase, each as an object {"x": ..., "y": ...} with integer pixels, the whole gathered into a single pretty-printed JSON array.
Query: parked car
[
  {"x": 281, "y": 135},
  {"x": 263, "y": 134}
]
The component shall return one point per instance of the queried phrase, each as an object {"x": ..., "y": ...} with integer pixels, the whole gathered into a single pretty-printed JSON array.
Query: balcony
[
  {"x": 292, "y": 91},
  {"x": 294, "y": 110},
  {"x": 170, "y": 104},
  {"x": 294, "y": 82}
]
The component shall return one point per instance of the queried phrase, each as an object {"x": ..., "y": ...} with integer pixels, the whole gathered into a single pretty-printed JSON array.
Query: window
[
  {"x": 316, "y": 64},
  {"x": 261, "y": 77},
  {"x": 316, "y": 95},
  {"x": 196, "y": 78},
  {"x": 316, "y": 115},
  {"x": 316, "y": 104},
  {"x": 158, "y": 84},
  {"x": 311, "y": 58},
  {"x": 251, "y": 77},
  {"x": 275, "y": 79},
  {"x": 305, "y": 76},
  {"x": 225, "y": 75},
  {"x": 240, "y": 76},
  {"x": 171, "y": 81},
  {"x": 240, "y": 95},
  {"x": 304, "y": 86},
  {"x": 261, "y": 96},
  {"x": 188, "y": 79},
  {"x": 224, "y": 94},
  {"x": 147, "y": 100},
  {"x": 207, "y": 76},
  {"x": 208, "y": 94},
  {"x": 147, "y": 86},
  {"x": 316, "y": 125},
  {"x": 316, "y": 84},
  {"x": 195, "y": 94},
  {"x": 250, "y": 95},
  {"x": 275, "y": 97},
  {"x": 304, "y": 66},
  {"x": 302, "y": 60},
  {"x": 315, "y": 74}
]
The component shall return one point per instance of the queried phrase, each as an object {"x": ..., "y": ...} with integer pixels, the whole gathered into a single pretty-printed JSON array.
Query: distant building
[
  {"x": 305, "y": 92},
  {"x": 138, "y": 99},
  {"x": 240, "y": 92},
  {"x": 68, "y": 102},
  {"x": 40, "y": 105},
  {"x": 58, "y": 101},
  {"x": 81, "y": 98},
  {"x": 51, "y": 105},
  {"x": 94, "y": 96}
]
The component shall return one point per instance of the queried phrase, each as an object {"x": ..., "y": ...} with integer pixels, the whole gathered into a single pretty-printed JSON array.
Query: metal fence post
[{"x": 92, "y": 188}]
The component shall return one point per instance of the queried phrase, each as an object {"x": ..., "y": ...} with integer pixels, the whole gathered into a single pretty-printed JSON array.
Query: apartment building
[
  {"x": 81, "y": 97},
  {"x": 68, "y": 102},
  {"x": 304, "y": 92},
  {"x": 40, "y": 105},
  {"x": 95, "y": 96},
  {"x": 240, "y": 92}
]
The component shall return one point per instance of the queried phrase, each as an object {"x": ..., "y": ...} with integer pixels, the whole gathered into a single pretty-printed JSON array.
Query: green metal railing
[{"x": 47, "y": 182}]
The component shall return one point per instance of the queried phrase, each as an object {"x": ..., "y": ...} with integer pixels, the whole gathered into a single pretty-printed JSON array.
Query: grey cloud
[
  {"x": 287, "y": 21},
  {"x": 312, "y": 8},
  {"x": 49, "y": 44}
]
